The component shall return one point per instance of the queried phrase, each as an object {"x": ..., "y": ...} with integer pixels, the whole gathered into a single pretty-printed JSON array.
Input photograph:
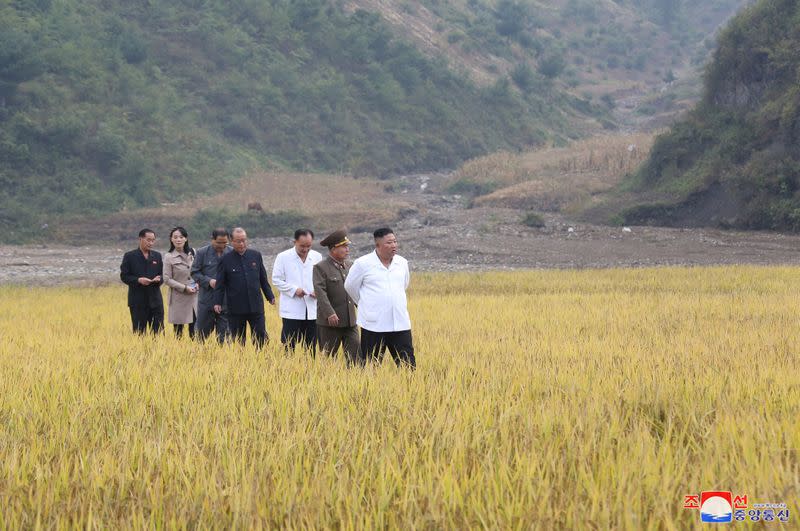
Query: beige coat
[{"x": 182, "y": 304}]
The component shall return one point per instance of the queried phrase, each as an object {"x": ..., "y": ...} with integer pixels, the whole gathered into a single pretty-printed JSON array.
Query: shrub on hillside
[
  {"x": 534, "y": 220},
  {"x": 257, "y": 224}
]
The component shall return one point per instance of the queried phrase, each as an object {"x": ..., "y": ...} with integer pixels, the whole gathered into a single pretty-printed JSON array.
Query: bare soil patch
[{"x": 438, "y": 232}]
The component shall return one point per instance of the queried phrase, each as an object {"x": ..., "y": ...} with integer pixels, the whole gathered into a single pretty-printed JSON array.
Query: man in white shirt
[
  {"x": 377, "y": 283},
  {"x": 292, "y": 275}
]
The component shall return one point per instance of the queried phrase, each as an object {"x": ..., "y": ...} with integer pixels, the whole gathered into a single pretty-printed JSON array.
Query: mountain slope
[
  {"x": 735, "y": 160},
  {"x": 595, "y": 46},
  {"x": 107, "y": 105}
]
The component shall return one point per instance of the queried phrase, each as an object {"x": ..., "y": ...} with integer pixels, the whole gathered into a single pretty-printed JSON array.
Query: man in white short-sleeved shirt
[
  {"x": 377, "y": 283},
  {"x": 293, "y": 276}
]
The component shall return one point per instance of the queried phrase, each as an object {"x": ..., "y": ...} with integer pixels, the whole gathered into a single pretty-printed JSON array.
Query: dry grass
[
  {"x": 326, "y": 199},
  {"x": 314, "y": 194},
  {"x": 561, "y": 400},
  {"x": 556, "y": 178},
  {"x": 305, "y": 192}
]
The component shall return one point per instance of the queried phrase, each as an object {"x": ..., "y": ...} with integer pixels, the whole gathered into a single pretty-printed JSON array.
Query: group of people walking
[{"x": 221, "y": 287}]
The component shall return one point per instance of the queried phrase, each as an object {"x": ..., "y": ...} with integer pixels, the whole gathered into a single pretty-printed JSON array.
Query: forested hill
[
  {"x": 595, "y": 47},
  {"x": 735, "y": 161},
  {"x": 111, "y": 104}
]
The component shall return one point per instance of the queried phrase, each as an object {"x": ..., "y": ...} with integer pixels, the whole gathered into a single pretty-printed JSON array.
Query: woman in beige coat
[{"x": 177, "y": 276}]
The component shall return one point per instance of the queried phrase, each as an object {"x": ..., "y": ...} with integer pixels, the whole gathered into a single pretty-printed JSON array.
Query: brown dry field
[
  {"x": 326, "y": 199},
  {"x": 439, "y": 232},
  {"x": 557, "y": 179}
]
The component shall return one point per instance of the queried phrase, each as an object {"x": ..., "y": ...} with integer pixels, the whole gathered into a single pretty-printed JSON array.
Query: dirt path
[{"x": 441, "y": 234}]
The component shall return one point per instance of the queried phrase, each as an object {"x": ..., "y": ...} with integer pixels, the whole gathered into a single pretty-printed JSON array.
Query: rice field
[
  {"x": 542, "y": 399},
  {"x": 554, "y": 178}
]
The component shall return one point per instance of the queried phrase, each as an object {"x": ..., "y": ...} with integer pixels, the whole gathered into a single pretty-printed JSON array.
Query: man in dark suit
[
  {"x": 336, "y": 312},
  {"x": 141, "y": 270},
  {"x": 241, "y": 278},
  {"x": 204, "y": 271}
]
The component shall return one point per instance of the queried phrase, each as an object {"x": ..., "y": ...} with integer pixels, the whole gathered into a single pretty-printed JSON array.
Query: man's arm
[
  {"x": 197, "y": 272},
  {"x": 159, "y": 278},
  {"x": 324, "y": 306},
  {"x": 354, "y": 280},
  {"x": 125, "y": 272},
  {"x": 279, "y": 278},
  {"x": 219, "y": 292},
  {"x": 262, "y": 278}
]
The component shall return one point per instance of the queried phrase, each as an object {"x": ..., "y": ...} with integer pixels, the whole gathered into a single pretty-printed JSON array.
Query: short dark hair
[
  {"x": 303, "y": 232},
  {"x": 143, "y": 232},
  {"x": 380, "y": 233},
  {"x": 219, "y": 231}
]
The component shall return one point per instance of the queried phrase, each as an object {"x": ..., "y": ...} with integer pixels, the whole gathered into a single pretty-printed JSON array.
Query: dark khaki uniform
[{"x": 332, "y": 298}]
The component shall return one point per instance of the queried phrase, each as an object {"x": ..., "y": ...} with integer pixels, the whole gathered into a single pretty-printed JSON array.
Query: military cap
[{"x": 335, "y": 239}]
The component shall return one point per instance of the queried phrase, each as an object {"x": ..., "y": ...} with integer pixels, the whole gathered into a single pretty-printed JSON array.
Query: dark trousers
[
  {"x": 331, "y": 337},
  {"x": 295, "y": 330},
  {"x": 209, "y": 320},
  {"x": 179, "y": 328},
  {"x": 144, "y": 316},
  {"x": 400, "y": 345},
  {"x": 258, "y": 328}
]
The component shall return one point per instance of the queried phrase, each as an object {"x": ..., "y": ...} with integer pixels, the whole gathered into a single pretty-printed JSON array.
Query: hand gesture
[{"x": 333, "y": 320}]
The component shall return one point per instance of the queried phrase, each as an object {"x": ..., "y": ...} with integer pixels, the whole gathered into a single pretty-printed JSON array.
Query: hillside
[
  {"x": 735, "y": 160},
  {"x": 111, "y": 105},
  {"x": 595, "y": 48}
]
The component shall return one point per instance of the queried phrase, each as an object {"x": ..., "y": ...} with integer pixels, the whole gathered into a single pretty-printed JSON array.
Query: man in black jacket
[
  {"x": 141, "y": 270},
  {"x": 241, "y": 278}
]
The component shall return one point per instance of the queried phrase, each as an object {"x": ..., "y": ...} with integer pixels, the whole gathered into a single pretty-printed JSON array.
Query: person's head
[
  {"x": 303, "y": 240},
  {"x": 337, "y": 244},
  {"x": 147, "y": 238},
  {"x": 239, "y": 240},
  {"x": 178, "y": 239},
  {"x": 219, "y": 239},
  {"x": 340, "y": 252},
  {"x": 385, "y": 243}
]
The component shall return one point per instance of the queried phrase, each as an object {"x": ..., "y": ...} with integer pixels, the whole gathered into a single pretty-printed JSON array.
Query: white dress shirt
[
  {"x": 380, "y": 293},
  {"x": 290, "y": 273}
]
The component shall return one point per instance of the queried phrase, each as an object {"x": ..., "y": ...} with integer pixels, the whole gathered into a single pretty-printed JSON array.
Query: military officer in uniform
[{"x": 336, "y": 312}]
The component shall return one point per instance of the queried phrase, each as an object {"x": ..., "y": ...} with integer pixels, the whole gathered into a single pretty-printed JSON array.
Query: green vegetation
[
  {"x": 534, "y": 220},
  {"x": 109, "y": 105},
  {"x": 259, "y": 224},
  {"x": 472, "y": 188},
  {"x": 735, "y": 161},
  {"x": 632, "y": 37}
]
